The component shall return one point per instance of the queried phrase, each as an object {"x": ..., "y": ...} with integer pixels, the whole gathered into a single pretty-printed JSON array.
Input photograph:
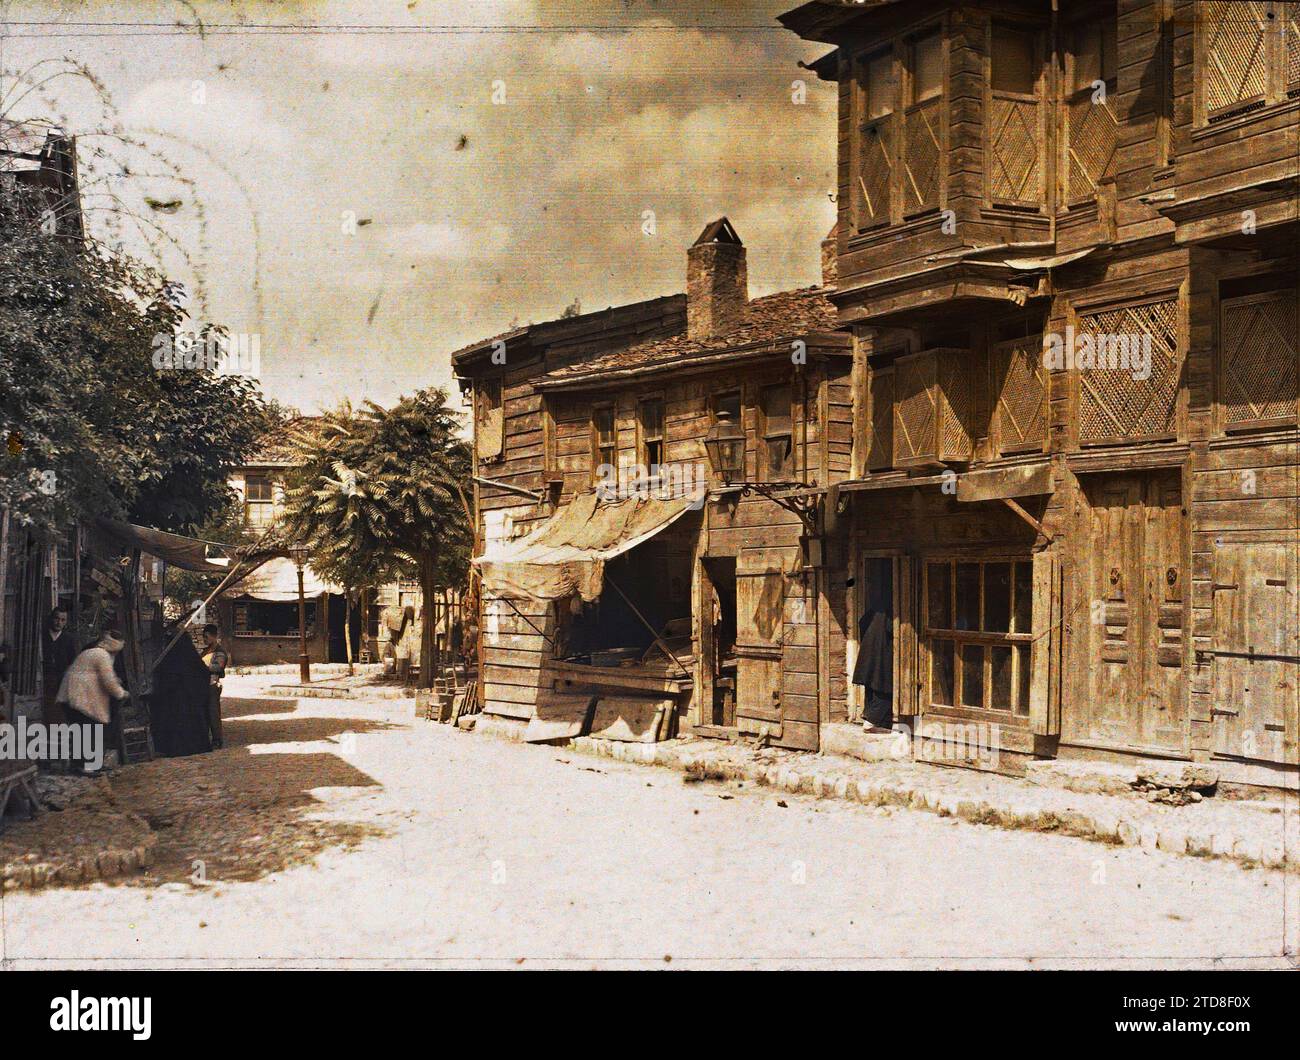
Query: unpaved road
[{"x": 336, "y": 832}]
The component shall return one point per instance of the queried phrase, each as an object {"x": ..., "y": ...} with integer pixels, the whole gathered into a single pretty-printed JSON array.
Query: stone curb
[
  {"x": 100, "y": 865},
  {"x": 1109, "y": 826}
]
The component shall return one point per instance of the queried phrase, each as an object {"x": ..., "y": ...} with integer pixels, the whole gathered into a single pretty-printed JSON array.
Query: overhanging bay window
[
  {"x": 979, "y": 634},
  {"x": 898, "y": 123}
]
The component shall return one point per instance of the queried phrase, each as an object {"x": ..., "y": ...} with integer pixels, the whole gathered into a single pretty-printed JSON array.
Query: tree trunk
[
  {"x": 428, "y": 568},
  {"x": 347, "y": 629}
]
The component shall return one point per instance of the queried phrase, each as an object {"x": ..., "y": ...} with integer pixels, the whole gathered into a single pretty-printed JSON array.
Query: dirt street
[{"x": 334, "y": 831}]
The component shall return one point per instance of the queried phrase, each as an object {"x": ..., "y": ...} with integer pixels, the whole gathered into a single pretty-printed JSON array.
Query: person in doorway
[
  {"x": 216, "y": 659},
  {"x": 874, "y": 670},
  {"x": 90, "y": 687},
  {"x": 58, "y": 649}
]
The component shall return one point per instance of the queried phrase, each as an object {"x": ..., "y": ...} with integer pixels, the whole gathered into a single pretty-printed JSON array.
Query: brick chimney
[{"x": 717, "y": 281}]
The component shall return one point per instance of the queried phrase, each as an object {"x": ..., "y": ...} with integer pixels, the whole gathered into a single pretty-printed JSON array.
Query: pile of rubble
[{"x": 1176, "y": 785}]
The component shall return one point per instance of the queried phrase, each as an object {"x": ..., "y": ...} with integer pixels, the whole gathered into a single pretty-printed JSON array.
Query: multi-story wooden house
[
  {"x": 626, "y": 584},
  {"x": 1067, "y": 253}
]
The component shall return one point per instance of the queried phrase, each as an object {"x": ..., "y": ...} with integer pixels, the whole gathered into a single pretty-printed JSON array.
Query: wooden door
[
  {"x": 1256, "y": 650},
  {"x": 1135, "y": 685},
  {"x": 760, "y": 629}
]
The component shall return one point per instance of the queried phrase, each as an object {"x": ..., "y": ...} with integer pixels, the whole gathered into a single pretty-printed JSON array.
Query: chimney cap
[{"x": 719, "y": 231}]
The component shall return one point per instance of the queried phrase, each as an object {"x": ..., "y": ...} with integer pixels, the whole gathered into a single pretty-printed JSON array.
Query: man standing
[
  {"x": 216, "y": 659},
  {"x": 90, "y": 687},
  {"x": 58, "y": 649}
]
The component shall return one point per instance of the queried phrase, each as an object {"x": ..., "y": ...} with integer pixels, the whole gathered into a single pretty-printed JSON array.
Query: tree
[
  {"x": 380, "y": 493},
  {"x": 91, "y": 425}
]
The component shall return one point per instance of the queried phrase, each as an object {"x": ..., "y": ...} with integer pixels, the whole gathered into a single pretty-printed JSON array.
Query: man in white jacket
[{"x": 90, "y": 686}]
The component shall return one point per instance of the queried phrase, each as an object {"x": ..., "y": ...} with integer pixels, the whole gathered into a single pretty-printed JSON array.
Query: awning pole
[{"x": 658, "y": 640}]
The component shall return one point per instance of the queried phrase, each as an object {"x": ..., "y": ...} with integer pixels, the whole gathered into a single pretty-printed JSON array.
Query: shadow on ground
[{"x": 239, "y": 813}]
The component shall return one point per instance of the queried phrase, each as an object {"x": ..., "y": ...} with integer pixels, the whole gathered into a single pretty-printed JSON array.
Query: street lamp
[
  {"x": 298, "y": 553},
  {"x": 725, "y": 446}
]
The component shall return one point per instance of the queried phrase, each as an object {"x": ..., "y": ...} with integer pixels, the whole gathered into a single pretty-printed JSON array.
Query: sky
[{"x": 367, "y": 186}]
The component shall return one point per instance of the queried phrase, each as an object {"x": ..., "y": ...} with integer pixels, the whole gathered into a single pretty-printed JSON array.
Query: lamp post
[{"x": 298, "y": 553}]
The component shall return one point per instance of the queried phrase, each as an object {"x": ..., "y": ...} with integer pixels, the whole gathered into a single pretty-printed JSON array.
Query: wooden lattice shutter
[
  {"x": 880, "y": 453},
  {"x": 923, "y": 156},
  {"x": 915, "y": 417},
  {"x": 1014, "y": 170},
  {"x": 1092, "y": 135},
  {"x": 876, "y": 177},
  {"x": 1257, "y": 363},
  {"x": 1291, "y": 15},
  {"x": 1021, "y": 388},
  {"x": 1114, "y": 404},
  {"x": 1235, "y": 69}
]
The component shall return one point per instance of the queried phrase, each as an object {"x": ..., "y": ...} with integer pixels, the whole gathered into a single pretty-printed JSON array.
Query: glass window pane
[
  {"x": 941, "y": 666},
  {"x": 997, "y": 597},
  {"x": 968, "y": 596},
  {"x": 1000, "y": 677},
  {"x": 779, "y": 464},
  {"x": 1022, "y": 679},
  {"x": 1013, "y": 61},
  {"x": 604, "y": 423},
  {"x": 939, "y": 577},
  {"x": 1024, "y": 598},
  {"x": 927, "y": 68},
  {"x": 972, "y": 675},
  {"x": 880, "y": 85},
  {"x": 652, "y": 418}
]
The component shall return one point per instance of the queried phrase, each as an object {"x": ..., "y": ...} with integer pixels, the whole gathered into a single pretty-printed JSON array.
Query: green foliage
[
  {"x": 378, "y": 493},
  {"x": 91, "y": 426}
]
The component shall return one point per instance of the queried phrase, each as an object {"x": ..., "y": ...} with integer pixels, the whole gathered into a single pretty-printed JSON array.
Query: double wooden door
[{"x": 1135, "y": 587}]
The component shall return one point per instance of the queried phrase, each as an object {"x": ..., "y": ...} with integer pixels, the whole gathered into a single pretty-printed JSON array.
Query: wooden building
[
  {"x": 1067, "y": 254},
  {"x": 626, "y": 587}
]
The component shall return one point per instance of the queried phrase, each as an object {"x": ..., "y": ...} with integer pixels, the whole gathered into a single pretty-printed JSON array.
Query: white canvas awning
[
  {"x": 276, "y": 581},
  {"x": 567, "y": 553}
]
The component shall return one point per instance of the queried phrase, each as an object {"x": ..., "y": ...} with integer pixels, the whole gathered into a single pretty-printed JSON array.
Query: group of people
[{"x": 88, "y": 687}]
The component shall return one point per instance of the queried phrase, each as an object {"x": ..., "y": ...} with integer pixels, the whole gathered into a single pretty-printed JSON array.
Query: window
[
  {"x": 604, "y": 440},
  {"x": 651, "y": 416},
  {"x": 1128, "y": 360},
  {"x": 259, "y": 501},
  {"x": 778, "y": 448},
  {"x": 728, "y": 403},
  {"x": 1249, "y": 56},
  {"x": 900, "y": 158},
  {"x": 1090, "y": 130},
  {"x": 260, "y": 618},
  {"x": 978, "y": 631},
  {"x": 1020, "y": 386},
  {"x": 1014, "y": 171},
  {"x": 489, "y": 428}
]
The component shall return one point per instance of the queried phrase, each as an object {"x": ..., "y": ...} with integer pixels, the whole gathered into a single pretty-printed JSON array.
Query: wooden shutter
[
  {"x": 1259, "y": 349},
  {"x": 877, "y": 102},
  {"x": 1013, "y": 163},
  {"x": 1115, "y": 406},
  {"x": 1020, "y": 383},
  {"x": 489, "y": 433},
  {"x": 1291, "y": 46},
  {"x": 907, "y": 682},
  {"x": 880, "y": 452},
  {"x": 1234, "y": 72}
]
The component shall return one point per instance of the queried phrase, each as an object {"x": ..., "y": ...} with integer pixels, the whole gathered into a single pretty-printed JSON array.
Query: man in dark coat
[{"x": 58, "y": 649}]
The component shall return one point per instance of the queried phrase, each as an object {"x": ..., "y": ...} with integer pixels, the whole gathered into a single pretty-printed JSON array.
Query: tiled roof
[{"x": 788, "y": 314}]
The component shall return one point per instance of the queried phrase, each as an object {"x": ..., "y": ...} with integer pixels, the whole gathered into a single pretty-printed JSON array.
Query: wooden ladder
[{"x": 136, "y": 744}]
